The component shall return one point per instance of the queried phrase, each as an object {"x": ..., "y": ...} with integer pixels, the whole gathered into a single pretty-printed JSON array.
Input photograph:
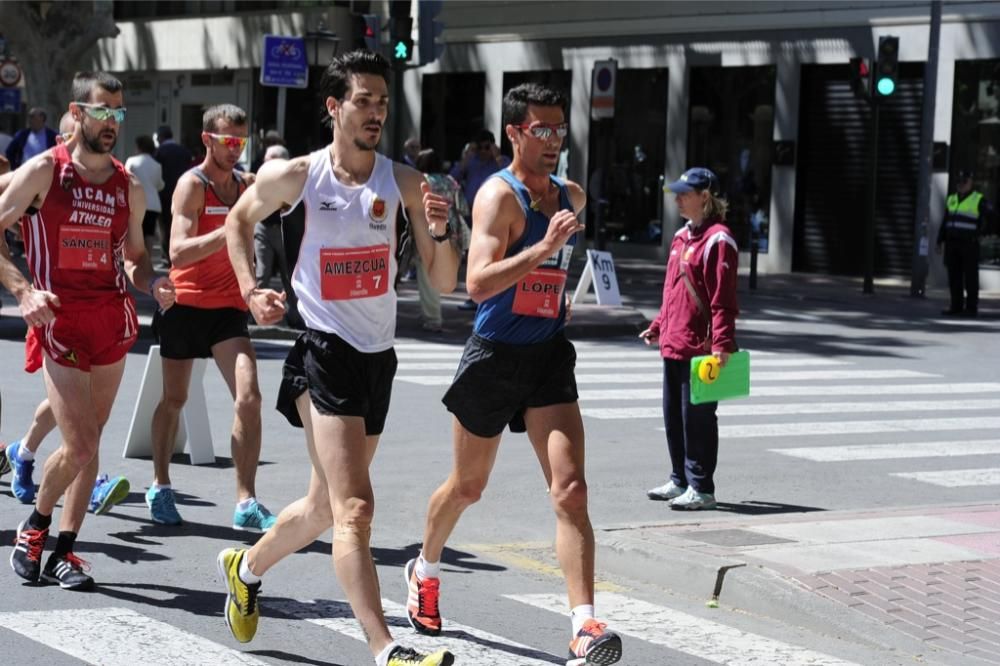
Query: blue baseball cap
[{"x": 694, "y": 180}]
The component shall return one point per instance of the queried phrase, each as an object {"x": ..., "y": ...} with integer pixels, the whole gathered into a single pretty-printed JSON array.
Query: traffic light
[
  {"x": 429, "y": 29},
  {"x": 861, "y": 78},
  {"x": 887, "y": 69},
  {"x": 400, "y": 33},
  {"x": 371, "y": 31},
  {"x": 400, "y": 39}
]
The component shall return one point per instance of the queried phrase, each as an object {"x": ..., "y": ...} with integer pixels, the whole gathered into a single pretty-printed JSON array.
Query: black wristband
[{"x": 442, "y": 238}]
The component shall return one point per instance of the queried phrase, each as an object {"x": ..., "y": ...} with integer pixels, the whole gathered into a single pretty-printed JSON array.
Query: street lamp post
[
  {"x": 319, "y": 37},
  {"x": 322, "y": 36}
]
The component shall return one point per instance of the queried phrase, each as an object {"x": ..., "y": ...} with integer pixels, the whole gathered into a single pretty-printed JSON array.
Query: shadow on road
[
  {"x": 293, "y": 658},
  {"x": 764, "y": 508},
  {"x": 461, "y": 562}
]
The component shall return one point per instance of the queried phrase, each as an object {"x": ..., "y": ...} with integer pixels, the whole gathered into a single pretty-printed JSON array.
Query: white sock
[
  {"x": 427, "y": 569},
  {"x": 382, "y": 658},
  {"x": 579, "y": 615},
  {"x": 162, "y": 486},
  {"x": 245, "y": 574},
  {"x": 24, "y": 454},
  {"x": 245, "y": 504}
]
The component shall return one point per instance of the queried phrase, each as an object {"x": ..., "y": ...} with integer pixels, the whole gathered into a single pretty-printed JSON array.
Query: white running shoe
[
  {"x": 692, "y": 500},
  {"x": 666, "y": 492}
]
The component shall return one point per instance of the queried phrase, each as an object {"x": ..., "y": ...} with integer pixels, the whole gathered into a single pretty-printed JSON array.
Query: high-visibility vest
[{"x": 962, "y": 222}]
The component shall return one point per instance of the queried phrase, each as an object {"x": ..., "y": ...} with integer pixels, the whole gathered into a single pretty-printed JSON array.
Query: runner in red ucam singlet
[{"x": 88, "y": 223}]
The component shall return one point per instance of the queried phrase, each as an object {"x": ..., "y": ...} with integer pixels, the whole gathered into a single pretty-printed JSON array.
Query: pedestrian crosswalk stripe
[
  {"x": 842, "y": 453},
  {"x": 676, "y": 630},
  {"x": 407, "y": 365},
  {"x": 657, "y": 377},
  {"x": 468, "y": 644},
  {"x": 856, "y": 427},
  {"x": 956, "y": 478},
  {"x": 120, "y": 636},
  {"x": 757, "y": 409},
  {"x": 979, "y": 388},
  {"x": 587, "y": 395},
  {"x": 876, "y": 389},
  {"x": 456, "y": 353}
]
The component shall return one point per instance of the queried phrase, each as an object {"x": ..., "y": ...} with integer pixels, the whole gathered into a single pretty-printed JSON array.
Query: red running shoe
[
  {"x": 594, "y": 644},
  {"x": 422, "y": 601}
]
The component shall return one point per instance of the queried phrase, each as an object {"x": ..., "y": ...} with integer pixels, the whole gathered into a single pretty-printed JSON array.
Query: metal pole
[
  {"x": 869, "y": 286},
  {"x": 282, "y": 103},
  {"x": 395, "y": 105},
  {"x": 921, "y": 240},
  {"x": 604, "y": 153}
]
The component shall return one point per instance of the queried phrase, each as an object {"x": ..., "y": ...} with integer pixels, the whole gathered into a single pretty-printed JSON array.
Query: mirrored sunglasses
[
  {"x": 103, "y": 113},
  {"x": 228, "y": 140},
  {"x": 544, "y": 131}
]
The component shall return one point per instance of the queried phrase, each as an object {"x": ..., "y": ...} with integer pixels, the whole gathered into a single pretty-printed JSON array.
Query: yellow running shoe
[
  {"x": 403, "y": 656},
  {"x": 242, "y": 611}
]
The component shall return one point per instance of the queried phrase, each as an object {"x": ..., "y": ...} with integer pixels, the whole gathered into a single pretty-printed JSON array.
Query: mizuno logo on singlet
[{"x": 327, "y": 205}]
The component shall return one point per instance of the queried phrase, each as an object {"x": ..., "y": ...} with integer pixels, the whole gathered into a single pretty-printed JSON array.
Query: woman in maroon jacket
[{"x": 698, "y": 316}]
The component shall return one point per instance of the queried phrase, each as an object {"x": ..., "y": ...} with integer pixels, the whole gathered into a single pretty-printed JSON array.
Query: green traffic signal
[
  {"x": 401, "y": 51},
  {"x": 886, "y": 86}
]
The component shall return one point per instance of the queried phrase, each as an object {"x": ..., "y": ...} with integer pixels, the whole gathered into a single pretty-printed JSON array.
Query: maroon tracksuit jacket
[{"x": 709, "y": 256}]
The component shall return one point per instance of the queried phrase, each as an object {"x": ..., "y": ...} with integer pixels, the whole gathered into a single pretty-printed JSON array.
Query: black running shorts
[
  {"x": 185, "y": 332},
  {"x": 496, "y": 382},
  {"x": 341, "y": 380}
]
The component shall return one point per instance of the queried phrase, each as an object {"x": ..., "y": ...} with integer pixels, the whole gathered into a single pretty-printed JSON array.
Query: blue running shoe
[
  {"x": 21, "y": 483},
  {"x": 108, "y": 492},
  {"x": 161, "y": 506},
  {"x": 4, "y": 463},
  {"x": 255, "y": 518}
]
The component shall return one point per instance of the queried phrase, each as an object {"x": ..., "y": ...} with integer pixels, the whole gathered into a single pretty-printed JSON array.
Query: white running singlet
[{"x": 346, "y": 267}]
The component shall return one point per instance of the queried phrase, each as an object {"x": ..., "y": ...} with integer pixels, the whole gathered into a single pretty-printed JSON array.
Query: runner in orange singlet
[{"x": 210, "y": 319}]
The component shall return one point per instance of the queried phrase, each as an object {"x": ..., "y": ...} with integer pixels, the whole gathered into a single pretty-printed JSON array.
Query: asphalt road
[{"x": 927, "y": 384}]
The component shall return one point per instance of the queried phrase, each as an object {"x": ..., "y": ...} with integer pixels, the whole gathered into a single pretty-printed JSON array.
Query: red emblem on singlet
[{"x": 378, "y": 209}]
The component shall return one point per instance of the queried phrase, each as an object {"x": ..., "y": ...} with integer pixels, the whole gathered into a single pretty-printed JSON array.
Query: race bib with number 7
[
  {"x": 84, "y": 248},
  {"x": 354, "y": 272}
]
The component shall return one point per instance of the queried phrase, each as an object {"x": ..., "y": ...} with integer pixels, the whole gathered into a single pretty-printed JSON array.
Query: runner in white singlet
[{"x": 338, "y": 377}]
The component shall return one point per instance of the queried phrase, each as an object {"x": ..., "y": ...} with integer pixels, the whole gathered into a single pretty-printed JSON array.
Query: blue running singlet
[{"x": 533, "y": 310}]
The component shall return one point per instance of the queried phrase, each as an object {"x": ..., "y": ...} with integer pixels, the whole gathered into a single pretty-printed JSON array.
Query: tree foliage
[{"x": 52, "y": 41}]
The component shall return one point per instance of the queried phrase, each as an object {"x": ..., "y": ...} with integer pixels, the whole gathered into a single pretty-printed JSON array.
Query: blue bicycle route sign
[{"x": 284, "y": 62}]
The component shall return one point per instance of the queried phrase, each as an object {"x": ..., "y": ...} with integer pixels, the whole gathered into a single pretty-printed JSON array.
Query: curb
[{"x": 741, "y": 586}]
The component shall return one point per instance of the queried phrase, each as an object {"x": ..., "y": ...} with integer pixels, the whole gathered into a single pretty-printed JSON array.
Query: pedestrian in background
[
  {"x": 697, "y": 317},
  {"x": 33, "y": 140},
  {"x": 958, "y": 239},
  {"x": 175, "y": 160},
  {"x": 269, "y": 250},
  {"x": 270, "y": 138},
  {"x": 481, "y": 159},
  {"x": 411, "y": 151},
  {"x": 429, "y": 163},
  {"x": 144, "y": 166}
]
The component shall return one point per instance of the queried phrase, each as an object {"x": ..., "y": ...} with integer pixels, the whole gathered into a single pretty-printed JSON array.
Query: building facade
[{"x": 759, "y": 92}]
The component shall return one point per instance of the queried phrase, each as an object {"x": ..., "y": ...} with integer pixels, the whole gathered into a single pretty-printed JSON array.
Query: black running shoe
[
  {"x": 68, "y": 572},
  {"x": 26, "y": 558}
]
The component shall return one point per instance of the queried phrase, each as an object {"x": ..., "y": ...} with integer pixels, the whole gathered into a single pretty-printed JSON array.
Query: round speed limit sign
[{"x": 10, "y": 73}]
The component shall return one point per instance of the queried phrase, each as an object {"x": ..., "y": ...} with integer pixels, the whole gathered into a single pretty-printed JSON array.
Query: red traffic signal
[{"x": 861, "y": 78}]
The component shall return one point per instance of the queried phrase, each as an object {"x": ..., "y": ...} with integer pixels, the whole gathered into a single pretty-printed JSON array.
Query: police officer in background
[{"x": 958, "y": 236}]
